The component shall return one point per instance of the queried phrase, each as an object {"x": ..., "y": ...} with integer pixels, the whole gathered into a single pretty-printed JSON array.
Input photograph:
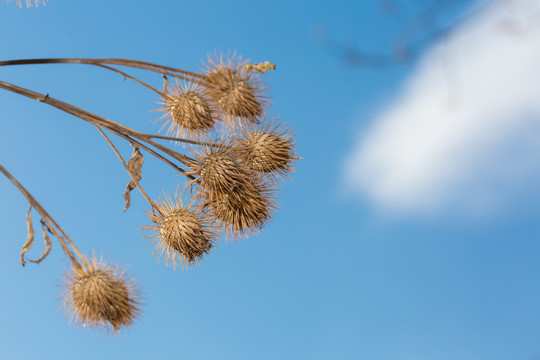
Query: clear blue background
[{"x": 328, "y": 279}]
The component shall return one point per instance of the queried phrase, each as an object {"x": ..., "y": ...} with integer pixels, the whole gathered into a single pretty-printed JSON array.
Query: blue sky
[{"x": 398, "y": 237}]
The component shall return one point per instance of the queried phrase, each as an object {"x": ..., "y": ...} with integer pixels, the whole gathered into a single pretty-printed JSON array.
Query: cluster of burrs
[{"x": 234, "y": 158}]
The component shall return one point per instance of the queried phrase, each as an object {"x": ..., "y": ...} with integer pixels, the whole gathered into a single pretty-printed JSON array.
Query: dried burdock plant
[
  {"x": 101, "y": 296},
  {"x": 243, "y": 211},
  {"x": 266, "y": 148},
  {"x": 96, "y": 295},
  {"x": 217, "y": 169},
  {"x": 181, "y": 233},
  {"x": 189, "y": 111},
  {"x": 232, "y": 174},
  {"x": 238, "y": 93}
]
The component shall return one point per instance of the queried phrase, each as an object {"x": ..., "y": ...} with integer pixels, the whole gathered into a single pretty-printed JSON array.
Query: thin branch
[
  {"x": 96, "y": 119},
  {"x": 47, "y": 217},
  {"x": 132, "y": 78},
  {"x": 164, "y": 70},
  {"x": 133, "y": 141},
  {"x": 150, "y": 201}
]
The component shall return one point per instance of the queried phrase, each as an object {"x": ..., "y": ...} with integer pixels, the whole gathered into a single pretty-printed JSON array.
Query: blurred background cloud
[{"x": 463, "y": 133}]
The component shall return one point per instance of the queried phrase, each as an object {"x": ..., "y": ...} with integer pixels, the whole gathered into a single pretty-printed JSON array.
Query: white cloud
[{"x": 464, "y": 133}]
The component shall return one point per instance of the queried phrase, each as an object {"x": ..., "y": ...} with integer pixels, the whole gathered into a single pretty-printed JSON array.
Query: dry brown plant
[
  {"x": 100, "y": 296},
  {"x": 188, "y": 111},
  {"x": 266, "y": 148},
  {"x": 234, "y": 160},
  {"x": 239, "y": 93},
  {"x": 182, "y": 233},
  {"x": 243, "y": 211}
]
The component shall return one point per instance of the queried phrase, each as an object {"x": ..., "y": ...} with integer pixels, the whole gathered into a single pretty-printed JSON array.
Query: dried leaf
[
  {"x": 135, "y": 169},
  {"x": 165, "y": 84},
  {"x": 48, "y": 244},
  {"x": 29, "y": 238}
]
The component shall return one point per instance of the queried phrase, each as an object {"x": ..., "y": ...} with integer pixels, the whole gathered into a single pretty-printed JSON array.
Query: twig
[
  {"x": 150, "y": 201},
  {"x": 132, "y": 78},
  {"x": 164, "y": 70},
  {"x": 96, "y": 119},
  {"x": 47, "y": 218}
]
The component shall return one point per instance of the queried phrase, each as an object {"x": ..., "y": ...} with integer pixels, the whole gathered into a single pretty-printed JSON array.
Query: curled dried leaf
[
  {"x": 48, "y": 244},
  {"x": 135, "y": 169},
  {"x": 29, "y": 238},
  {"x": 165, "y": 84}
]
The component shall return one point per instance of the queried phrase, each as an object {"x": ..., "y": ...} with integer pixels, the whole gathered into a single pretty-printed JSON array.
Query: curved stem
[
  {"x": 95, "y": 119},
  {"x": 47, "y": 218},
  {"x": 132, "y": 141},
  {"x": 132, "y": 78},
  {"x": 150, "y": 201},
  {"x": 165, "y": 70}
]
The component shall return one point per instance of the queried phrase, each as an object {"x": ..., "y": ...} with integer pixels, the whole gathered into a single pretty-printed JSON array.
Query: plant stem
[
  {"x": 47, "y": 218},
  {"x": 150, "y": 201},
  {"x": 165, "y": 70},
  {"x": 132, "y": 78},
  {"x": 96, "y": 119}
]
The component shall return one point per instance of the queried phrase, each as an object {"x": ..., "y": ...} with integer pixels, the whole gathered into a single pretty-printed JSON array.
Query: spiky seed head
[
  {"x": 220, "y": 172},
  {"x": 217, "y": 169},
  {"x": 188, "y": 111},
  {"x": 182, "y": 234},
  {"x": 100, "y": 296},
  {"x": 267, "y": 148},
  {"x": 237, "y": 92},
  {"x": 243, "y": 211}
]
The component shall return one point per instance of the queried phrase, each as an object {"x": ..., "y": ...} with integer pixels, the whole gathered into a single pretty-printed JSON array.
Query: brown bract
[
  {"x": 101, "y": 296},
  {"x": 181, "y": 233},
  {"x": 237, "y": 93},
  {"x": 267, "y": 148},
  {"x": 188, "y": 111}
]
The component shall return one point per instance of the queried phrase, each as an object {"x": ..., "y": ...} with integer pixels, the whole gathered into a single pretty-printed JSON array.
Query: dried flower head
[
  {"x": 245, "y": 210},
  {"x": 218, "y": 171},
  {"x": 237, "y": 92},
  {"x": 267, "y": 148},
  {"x": 29, "y": 2},
  {"x": 181, "y": 233},
  {"x": 260, "y": 67},
  {"x": 101, "y": 296},
  {"x": 188, "y": 110}
]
